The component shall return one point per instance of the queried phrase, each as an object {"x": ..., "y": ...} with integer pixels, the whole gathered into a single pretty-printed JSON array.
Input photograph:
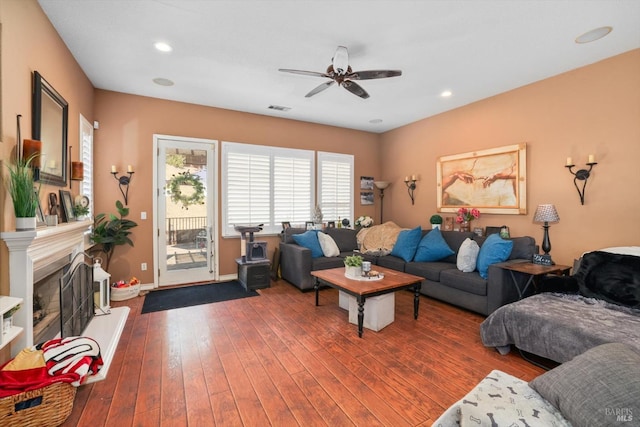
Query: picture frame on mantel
[
  {"x": 66, "y": 204},
  {"x": 493, "y": 181}
]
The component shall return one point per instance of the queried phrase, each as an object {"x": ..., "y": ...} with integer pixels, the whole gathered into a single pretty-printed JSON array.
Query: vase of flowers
[
  {"x": 364, "y": 221},
  {"x": 465, "y": 216}
]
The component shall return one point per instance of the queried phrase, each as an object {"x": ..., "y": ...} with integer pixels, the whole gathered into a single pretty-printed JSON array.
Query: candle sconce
[
  {"x": 581, "y": 175},
  {"x": 411, "y": 186},
  {"x": 123, "y": 182}
]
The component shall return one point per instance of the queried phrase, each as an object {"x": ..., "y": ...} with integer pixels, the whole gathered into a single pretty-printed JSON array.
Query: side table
[
  {"x": 254, "y": 274},
  {"x": 534, "y": 271}
]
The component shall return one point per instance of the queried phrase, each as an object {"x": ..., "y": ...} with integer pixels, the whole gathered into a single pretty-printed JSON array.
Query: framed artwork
[
  {"x": 66, "y": 205},
  {"x": 286, "y": 224},
  {"x": 309, "y": 225},
  {"x": 366, "y": 198},
  {"x": 492, "y": 180},
  {"x": 366, "y": 183},
  {"x": 39, "y": 213},
  {"x": 331, "y": 224},
  {"x": 448, "y": 224}
]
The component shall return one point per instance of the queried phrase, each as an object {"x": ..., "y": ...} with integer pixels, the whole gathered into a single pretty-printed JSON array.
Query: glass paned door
[{"x": 185, "y": 210}]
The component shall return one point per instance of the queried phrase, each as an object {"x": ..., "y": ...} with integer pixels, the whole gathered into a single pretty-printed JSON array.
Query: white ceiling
[{"x": 226, "y": 54}]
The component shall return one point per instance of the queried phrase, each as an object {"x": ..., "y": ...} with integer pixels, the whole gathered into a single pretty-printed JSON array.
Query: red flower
[{"x": 465, "y": 214}]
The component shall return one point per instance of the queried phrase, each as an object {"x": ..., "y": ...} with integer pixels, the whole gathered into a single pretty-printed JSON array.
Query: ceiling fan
[{"x": 339, "y": 71}]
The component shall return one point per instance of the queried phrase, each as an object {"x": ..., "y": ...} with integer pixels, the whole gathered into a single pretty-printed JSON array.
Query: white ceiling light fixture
[
  {"x": 593, "y": 35},
  {"x": 446, "y": 94},
  {"x": 162, "y": 81},
  {"x": 162, "y": 47}
]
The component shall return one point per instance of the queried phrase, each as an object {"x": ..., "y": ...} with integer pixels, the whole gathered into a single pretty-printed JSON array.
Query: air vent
[{"x": 279, "y": 108}]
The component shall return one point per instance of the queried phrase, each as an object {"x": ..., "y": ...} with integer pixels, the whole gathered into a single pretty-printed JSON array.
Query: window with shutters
[
  {"x": 265, "y": 185},
  {"x": 86, "y": 157},
  {"x": 335, "y": 186}
]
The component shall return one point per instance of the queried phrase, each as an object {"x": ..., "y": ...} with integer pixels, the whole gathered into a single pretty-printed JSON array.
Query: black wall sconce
[
  {"x": 76, "y": 170},
  {"x": 581, "y": 174},
  {"x": 411, "y": 186},
  {"x": 123, "y": 181}
]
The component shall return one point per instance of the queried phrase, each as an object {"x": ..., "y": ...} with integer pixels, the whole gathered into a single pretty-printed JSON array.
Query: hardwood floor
[{"x": 278, "y": 360}]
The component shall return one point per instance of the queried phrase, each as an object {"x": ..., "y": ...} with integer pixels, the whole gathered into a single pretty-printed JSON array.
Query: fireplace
[
  {"x": 45, "y": 255},
  {"x": 46, "y": 300}
]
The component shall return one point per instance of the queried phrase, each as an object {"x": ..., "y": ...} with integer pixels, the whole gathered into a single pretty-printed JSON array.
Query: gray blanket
[{"x": 560, "y": 327}]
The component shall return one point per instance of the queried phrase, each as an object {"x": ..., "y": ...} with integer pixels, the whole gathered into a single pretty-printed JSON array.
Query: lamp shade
[
  {"x": 546, "y": 213},
  {"x": 381, "y": 185}
]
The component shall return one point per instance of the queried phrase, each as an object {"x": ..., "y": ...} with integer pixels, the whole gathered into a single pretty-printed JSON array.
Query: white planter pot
[
  {"x": 434, "y": 226},
  {"x": 25, "y": 224},
  {"x": 353, "y": 272}
]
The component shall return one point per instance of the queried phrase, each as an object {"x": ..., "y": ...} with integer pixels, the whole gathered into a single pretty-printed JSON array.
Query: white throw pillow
[
  {"x": 328, "y": 245},
  {"x": 467, "y": 255}
]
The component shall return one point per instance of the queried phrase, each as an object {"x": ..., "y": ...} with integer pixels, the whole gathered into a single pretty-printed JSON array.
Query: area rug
[{"x": 194, "y": 295}]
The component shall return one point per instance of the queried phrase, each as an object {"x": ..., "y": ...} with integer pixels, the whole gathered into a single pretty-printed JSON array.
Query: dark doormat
[{"x": 194, "y": 295}]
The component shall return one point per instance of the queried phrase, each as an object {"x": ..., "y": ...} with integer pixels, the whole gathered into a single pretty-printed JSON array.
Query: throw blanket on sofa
[
  {"x": 379, "y": 239},
  {"x": 560, "y": 327}
]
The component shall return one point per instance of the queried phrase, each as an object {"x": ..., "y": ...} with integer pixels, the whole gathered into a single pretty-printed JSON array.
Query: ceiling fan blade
[
  {"x": 304, "y": 73},
  {"x": 340, "y": 61},
  {"x": 373, "y": 74},
  {"x": 355, "y": 89},
  {"x": 320, "y": 88}
]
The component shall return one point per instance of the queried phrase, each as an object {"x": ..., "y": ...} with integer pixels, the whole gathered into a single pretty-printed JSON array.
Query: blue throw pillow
[
  {"x": 407, "y": 243},
  {"x": 494, "y": 249},
  {"x": 432, "y": 247},
  {"x": 309, "y": 239}
]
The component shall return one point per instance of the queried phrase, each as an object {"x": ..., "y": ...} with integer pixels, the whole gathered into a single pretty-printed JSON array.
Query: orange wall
[
  {"x": 591, "y": 110},
  {"x": 30, "y": 43},
  {"x": 127, "y": 125}
]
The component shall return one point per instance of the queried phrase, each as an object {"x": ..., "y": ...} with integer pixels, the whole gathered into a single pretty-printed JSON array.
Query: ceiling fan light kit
[{"x": 340, "y": 72}]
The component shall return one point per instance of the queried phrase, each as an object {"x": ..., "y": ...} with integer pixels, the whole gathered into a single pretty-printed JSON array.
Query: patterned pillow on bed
[{"x": 503, "y": 400}]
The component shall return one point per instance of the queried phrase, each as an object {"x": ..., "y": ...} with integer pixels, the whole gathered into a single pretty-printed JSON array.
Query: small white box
[
  {"x": 343, "y": 300},
  {"x": 378, "y": 311}
]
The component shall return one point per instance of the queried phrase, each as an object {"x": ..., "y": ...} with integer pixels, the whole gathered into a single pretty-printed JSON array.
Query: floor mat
[{"x": 194, "y": 295}]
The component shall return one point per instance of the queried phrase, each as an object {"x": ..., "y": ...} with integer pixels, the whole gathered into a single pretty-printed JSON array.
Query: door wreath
[{"x": 183, "y": 179}]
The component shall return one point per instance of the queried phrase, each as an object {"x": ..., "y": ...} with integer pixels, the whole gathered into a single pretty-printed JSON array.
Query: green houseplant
[
  {"x": 436, "y": 221},
  {"x": 109, "y": 232},
  {"x": 23, "y": 193},
  {"x": 353, "y": 266}
]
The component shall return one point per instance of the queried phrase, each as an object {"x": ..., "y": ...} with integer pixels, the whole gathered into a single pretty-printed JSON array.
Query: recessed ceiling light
[
  {"x": 375, "y": 121},
  {"x": 162, "y": 47},
  {"x": 446, "y": 94},
  {"x": 162, "y": 81},
  {"x": 593, "y": 35}
]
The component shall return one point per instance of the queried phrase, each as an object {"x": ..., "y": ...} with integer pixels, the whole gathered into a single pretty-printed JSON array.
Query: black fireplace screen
[{"x": 76, "y": 296}]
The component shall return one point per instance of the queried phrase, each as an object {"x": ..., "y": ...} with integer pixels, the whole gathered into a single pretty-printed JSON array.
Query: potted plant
[
  {"x": 112, "y": 232},
  {"x": 436, "y": 221},
  {"x": 80, "y": 211},
  {"x": 23, "y": 193},
  {"x": 353, "y": 266}
]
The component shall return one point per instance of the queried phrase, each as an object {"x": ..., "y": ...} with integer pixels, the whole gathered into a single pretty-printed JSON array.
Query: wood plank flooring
[{"x": 278, "y": 360}]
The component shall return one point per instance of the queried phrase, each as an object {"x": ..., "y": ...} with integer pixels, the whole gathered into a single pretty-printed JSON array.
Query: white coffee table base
[{"x": 378, "y": 311}]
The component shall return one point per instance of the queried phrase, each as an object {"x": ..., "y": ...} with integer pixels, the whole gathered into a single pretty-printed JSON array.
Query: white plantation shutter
[
  {"x": 335, "y": 186},
  {"x": 265, "y": 185},
  {"x": 86, "y": 157}
]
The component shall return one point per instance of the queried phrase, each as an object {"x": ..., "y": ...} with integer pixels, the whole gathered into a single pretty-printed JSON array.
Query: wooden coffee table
[{"x": 363, "y": 289}]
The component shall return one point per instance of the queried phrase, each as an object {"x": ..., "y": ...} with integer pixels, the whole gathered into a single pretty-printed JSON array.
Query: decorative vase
[
  {"x": 317, "y": 215},
  {"x": 434, "y": 226},
  {"x": 465, "y": 226},
  {"x": 25, "y": 224},
  {"x": 353, "y": 272},
  {"x": 8, "y": 323}
]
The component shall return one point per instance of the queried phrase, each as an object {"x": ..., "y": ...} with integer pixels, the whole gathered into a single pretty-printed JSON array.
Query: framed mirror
[{"x": 50, "y": 120}]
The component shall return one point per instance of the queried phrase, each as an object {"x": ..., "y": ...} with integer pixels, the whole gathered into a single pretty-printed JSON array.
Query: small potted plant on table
[
  {"x": 353, "y": 266},
  {"x": 436, "y": 221}
]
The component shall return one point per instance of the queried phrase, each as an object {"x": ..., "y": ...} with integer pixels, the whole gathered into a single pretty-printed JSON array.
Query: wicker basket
[{"x": 44, "y": 407}]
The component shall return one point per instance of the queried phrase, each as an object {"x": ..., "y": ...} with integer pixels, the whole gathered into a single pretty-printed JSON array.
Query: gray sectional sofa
[{"x": 443, "y": 280}]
